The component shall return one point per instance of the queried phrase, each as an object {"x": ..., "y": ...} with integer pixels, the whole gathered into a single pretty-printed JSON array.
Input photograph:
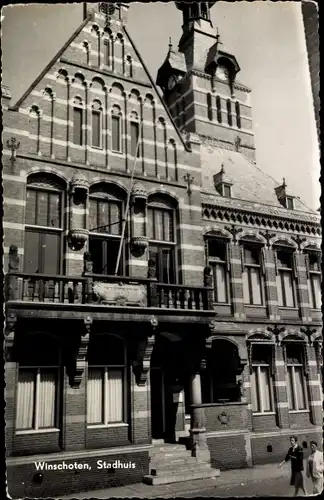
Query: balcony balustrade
[{"x": 105, "y": 290}]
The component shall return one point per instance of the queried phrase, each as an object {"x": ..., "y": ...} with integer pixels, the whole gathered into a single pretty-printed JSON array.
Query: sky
[{"x": 266, "y": 37}]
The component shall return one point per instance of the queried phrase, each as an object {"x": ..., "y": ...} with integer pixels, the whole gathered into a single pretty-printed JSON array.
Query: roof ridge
[{"x": 50, "y": 64}]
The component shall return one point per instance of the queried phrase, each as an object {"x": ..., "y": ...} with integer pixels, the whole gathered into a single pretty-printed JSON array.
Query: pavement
[{"x": 265, "y": 480}]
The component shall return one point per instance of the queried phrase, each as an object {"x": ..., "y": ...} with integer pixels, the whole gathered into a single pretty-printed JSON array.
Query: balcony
[{"x": 105, "y": 291}]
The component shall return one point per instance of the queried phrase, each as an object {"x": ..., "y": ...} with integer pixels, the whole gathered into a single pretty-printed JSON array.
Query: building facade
[{"x": 162, "y": 292}]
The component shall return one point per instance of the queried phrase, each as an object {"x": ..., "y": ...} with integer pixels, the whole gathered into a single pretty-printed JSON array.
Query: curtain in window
[
  {"x": 300, "y": 394},
  {"x": 94, "y": 396},
  {"x": 114, "y": 396},
  {"x": 46, "y": 399},
  {"x": 159, "y": 225},
  {"x": 254, "y": 391},
  {"x": 290, "y": 388},
  {"x": 25, "y": 399},
  {"x": 246, "y": 288},
  {"x": 314, "y": 290},
  {"x": 256, "y": 286},
  {"x": 287, "y": 279},
  {"x": 219, "y": 276},
  {"x": 265, "y": 388}
]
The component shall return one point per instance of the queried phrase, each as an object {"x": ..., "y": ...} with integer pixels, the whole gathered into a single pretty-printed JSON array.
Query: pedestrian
[
  {"x": 296, "y": 456},
  {"x": 315, "y": 468}
]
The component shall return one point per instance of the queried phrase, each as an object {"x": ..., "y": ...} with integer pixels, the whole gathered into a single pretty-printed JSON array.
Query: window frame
[
  {"x": 115, "y": 116},
  {"x": 58, "y": 379},
  {"x": 125, "y": 390},
  {"x": 301, "y": 365},
  {"x": 99, "y": 112},
  {"x": 247, "y": 267},
  {"x": 77, "y": 106},
  {"x": 222, "y": 263},
  {"x": 281, "y": 271},
  {"x": 257, "y": 367}
]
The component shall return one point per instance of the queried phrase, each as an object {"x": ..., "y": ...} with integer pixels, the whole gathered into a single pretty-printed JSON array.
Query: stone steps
[
  {"x": 176, "y": 477},
  {"x": 179, "y": 467}
]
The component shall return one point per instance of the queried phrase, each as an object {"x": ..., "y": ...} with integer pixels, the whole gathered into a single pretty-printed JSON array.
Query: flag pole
[{"x": 140, "y": 132}]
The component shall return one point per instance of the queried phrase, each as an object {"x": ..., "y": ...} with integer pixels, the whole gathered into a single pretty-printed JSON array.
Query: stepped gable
[{"x": 249, "y": 182}]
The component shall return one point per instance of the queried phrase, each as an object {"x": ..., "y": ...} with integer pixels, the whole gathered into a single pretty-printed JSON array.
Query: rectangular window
[
  {"x": 261, "y": 380},
  {"x": 217, "y": 259},
  {"x": 42, "y": 252},
  {"x": 164, "y": 262},
  {"x": 252, "y": 281},
  {"x": 105, "y": 397},
  {"x": 77, "y": 126},
  {"x": 116, "y": 134},
  {"x": 96, "y": 129},
  {"x": 160, "y": 224},
  {"x": 290, "y": 203},
  {"x": 36, "y": 398},
  {"x": 105, "y": 217},
  {"x": 107, "y": 53},
  {"x": 226, "y": 191},
  {"x": 314, "y": 280},
  {"x": 285, "y": 279},
  {"x": 295, "y": 378},
  {"x": 104, "y": 253},
  {"x": 134, "y": 129}
]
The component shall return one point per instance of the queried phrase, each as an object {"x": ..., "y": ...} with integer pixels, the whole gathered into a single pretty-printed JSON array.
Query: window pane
[
  {"x": 168, "y": 226},
  {"x": 96, "y": 129},
  {"x": 114, "y": 396},
  {"x": 25, "y": 399},
  {"x": 77, "y": 126},
  {"x": 107, "y": 53},
  {"x": 279, "y": 290},
  {"x": 46, "y": 399},
  {"x": 111, "y": 248},
  {"x": 30, "y": 216},
  {"x": 284, "y": 259},
  {"x": 51, "y": 253},
  {"x": 134, "y": 138},
  {"x": 227, "y": 191},
  {"x": 31, "y": 252},
  {"x": 150, "y": 223},
  {"x": 42, "y": 208},
  {"x": 316, "y": 291},
  {"x": 265, "y": 388},
  {"x": 300, "y": 388},
  {"x": 256, "y": 286},
  {"x": 254, "y": 393},
  {"x": 158, "y": 225},
  {"x": 95, "y": 396},
  {"x": 216, "y": 250},
  {"x": 103, "y": 217},
  {"x": 115, "y": 133},
  {"x": 221, "y": 283},
  {"x": 54, "y": 210},
  {"x": 93, "y": 216},
  {"x": 246, "y": 288},
  {"x": 96, "y": 251},
  {"x": 290, "y": 388},
  {"x": 115, "y": 218},
  {"x": 288, "y": 284}
]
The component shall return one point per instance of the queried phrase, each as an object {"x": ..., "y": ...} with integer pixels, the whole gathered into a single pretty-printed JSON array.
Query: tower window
[
  {"x": 210, "y": 107},
  {"x": 229, "y": 113},
  {"x": 219, "y": 109},
  {"x": 224, "y": 190},
  {"x": 238, "y": 114}
]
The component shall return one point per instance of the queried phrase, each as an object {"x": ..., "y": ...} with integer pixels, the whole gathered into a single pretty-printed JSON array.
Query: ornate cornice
[{"x": 259, "y": 217}]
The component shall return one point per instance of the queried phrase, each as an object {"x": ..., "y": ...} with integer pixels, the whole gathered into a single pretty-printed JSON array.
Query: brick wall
[
  {"x": 61, "y": 482},
  {"x": 228, "y": 452}
]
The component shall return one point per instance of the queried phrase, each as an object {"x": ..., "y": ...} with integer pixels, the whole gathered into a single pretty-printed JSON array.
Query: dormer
[
  {"x": 223, "y": 184},
  {"x": 172, "y": 70},
  {"x": 285, "y": 197}
]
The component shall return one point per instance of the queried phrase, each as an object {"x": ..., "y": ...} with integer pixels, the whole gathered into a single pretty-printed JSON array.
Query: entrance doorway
[{"x": 157, "y": 403}]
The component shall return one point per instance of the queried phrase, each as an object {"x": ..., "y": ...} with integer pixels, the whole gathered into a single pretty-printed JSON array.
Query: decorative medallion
[{"x": 223, "y": 418}]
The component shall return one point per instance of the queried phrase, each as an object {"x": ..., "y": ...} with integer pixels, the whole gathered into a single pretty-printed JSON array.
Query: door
[
  {"x": 104, "y": 253},
  {"x": 157, "y": 403}
]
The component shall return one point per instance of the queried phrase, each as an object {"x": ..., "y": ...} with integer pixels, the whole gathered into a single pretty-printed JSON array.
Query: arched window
[
  {"x": 43, "y": 224},
  {"x": 116, "y": 129},
  {"x": 37, "y": 404},
  {"x": 134, "y": 132},
  {"x": 252, "y": 275},
  {"x": 313, "y": 261},
  {"x": 296, "y": 386},
  {"x": 105, "y": 226},
  {"x": 286, "y": 282},
  {"x": 162, "y": 148},
  {"x": 238, "y": 114},
  {"x": 107, "y": 45},
  {"x": 218, "y": 261},
  {"x": 86, "y": 47},
  {"x": 96, "y": 122},
  {"x": 106, "y": 387},
  {"x": 229, "y": 112},
  {"x": 78, "y": 121},
  {"x": 219, "y": 109},
  {"x": 161, "y": 234},
  {"x": 209, "y": 107},
  {"x": 261, "y": 379},
  {"x": 172, "y": 160}
]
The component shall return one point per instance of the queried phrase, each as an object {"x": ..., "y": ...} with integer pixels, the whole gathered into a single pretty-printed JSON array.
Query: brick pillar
[
  {"x": 280, "y": 388},
  {"x": 236, "y": 281},
  {"x": 271, "y": 284},
  {"x": 313, "y": 385},
  {"x": 140, "y": 411},
  {"x": 302, "y": 286}
]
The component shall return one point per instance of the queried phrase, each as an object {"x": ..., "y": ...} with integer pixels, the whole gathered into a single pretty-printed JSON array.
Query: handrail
[{"x": 45, "y": 276}]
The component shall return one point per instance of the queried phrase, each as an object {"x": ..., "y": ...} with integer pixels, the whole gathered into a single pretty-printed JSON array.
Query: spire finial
[
  {"x": 222, "y": 169},
  {"x": 284, "y": 182},
  {"x": 170, "y": 43}
]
